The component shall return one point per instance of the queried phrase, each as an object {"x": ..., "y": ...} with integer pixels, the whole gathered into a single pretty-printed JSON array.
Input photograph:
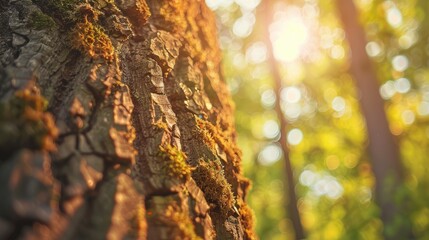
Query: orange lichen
[
  {"x": 87, "y": 11},
  {"x": 143, "y": 10},
  {"x": 247, "y": 219},
  {"x": 172, "y": 13},
  {"x": 89, "y": 38},
  {"x": 213, "y": 135},
  {"x": 181, "y": 18},
  {"x": 92, "y": 40},
  {"x": 161, "y": 124},
  {"x": 208, "y": 138},
  {"x": 210, "y": 178},
  {"x": 183, "y": 226},
  {"x": 141, "y": 221},
  {"x": 139, "y": 13}
]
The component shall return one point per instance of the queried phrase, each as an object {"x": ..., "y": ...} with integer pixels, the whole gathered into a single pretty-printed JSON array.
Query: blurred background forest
[{"x": 326, "y": 131}]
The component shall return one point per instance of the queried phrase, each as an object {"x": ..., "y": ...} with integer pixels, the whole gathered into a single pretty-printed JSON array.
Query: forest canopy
[{"x": 327, "y": 130}]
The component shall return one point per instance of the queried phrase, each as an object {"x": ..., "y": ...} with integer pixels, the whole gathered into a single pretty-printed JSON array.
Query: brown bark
[
  {"x": 290, "y": 197},
  {"x": 143, "y": 145},
  {"x": 384, "y": 153}
]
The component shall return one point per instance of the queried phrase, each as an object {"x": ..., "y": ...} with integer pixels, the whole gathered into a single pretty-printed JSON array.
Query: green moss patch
[
  {"x": 174, "y": 162},
  {"x": 41, "y": 21},
  {"x": 209, "y": 176}
]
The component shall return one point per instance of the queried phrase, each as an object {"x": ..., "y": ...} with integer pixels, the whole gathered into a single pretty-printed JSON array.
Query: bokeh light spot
[
  {"x": 332, "y": 162},
  {"x": 215, "y": 4},
  {"x": 244, "y": 25},
  {"x": 289, "y": 34},
  {"x": 387, "y": 90},
  {"x": 307, "y": 178},
  {"x": 269, "y": 155},
  {"x": 338, "y": 104},
  {"x": 373, "y": 49},
  {"x": 408, "y": 117},
  {"x": 394, "y": 17},
  {"x": 292, "y": 111},
  {"x": 423, "y": 108},
  {"x": 271, "y": 129},
  {"x": 400, "y": 63},
  {"x": 402, "y": 85},
  {"x": 248, "y": 4},
  {"x": 268, "y": 98},
  {"x": 256, "y": 53},
  {"x": 337, "y": 52},
  {"x": 295, "y": 136},
  {"x": 290, "y": 94}
]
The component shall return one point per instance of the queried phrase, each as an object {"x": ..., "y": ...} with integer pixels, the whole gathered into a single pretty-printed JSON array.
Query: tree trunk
[
  {"x": 290, "y": 196},
  {"x": 116, "y": 123},
  {"x": 384, "y": 153}
]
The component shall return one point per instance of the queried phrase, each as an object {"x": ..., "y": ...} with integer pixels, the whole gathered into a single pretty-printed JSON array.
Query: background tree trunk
[
  {"x": 384, "y": 153},
  {"x": 290, "y": 196},
  {"x": 143, "y": 144}
]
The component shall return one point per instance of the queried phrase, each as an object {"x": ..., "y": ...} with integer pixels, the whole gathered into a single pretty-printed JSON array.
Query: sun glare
[{"x": 289, "y": 35}]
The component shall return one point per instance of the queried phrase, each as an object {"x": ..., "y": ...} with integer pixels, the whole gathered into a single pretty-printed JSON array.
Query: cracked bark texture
[{"x": 116, "y": 123}]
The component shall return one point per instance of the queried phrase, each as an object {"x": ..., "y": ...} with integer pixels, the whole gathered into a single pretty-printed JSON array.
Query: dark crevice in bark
[
  {"x": 65, "y": 86},
  {"x": 6, "y": 33}
]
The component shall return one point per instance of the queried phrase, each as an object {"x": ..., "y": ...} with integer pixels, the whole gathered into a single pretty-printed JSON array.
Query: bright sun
[{"x": 289, "y": 35}]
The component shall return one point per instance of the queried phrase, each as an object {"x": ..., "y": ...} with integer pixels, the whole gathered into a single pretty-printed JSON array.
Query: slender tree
[
  {"x": 290, "y": 197},
  {"x": 384, "y": 153},
  {"x": 116, "y": 123}
]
